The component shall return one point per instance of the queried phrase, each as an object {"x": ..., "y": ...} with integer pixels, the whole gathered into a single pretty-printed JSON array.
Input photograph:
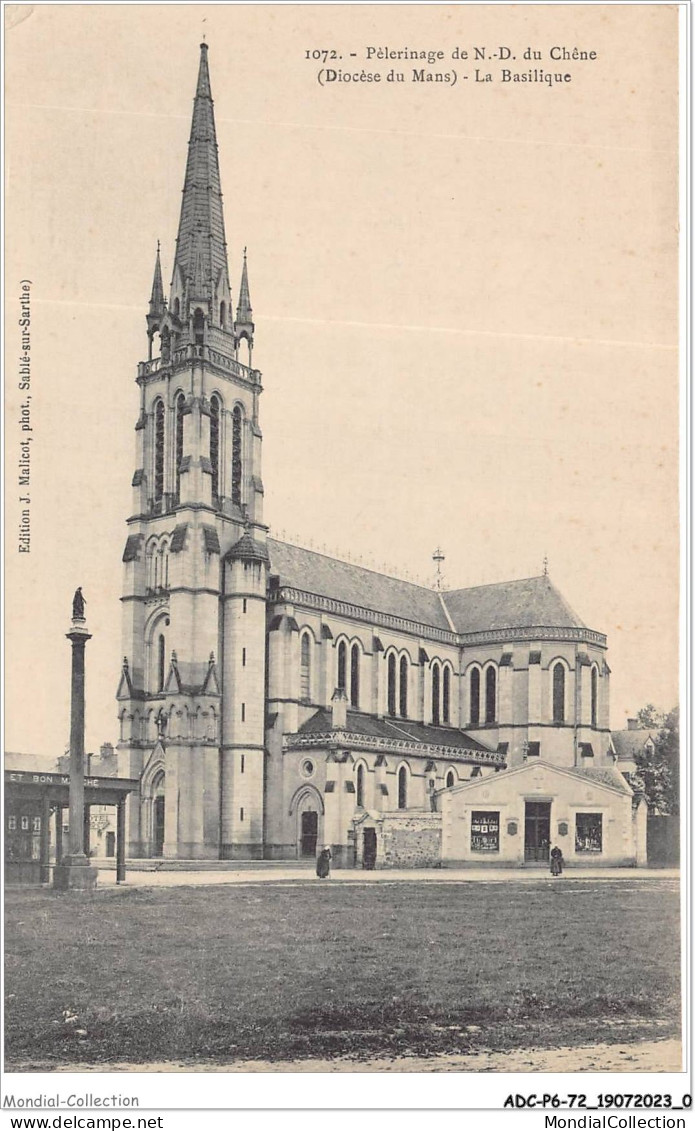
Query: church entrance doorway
[
  {"x": 537, "y": 831},
  {"x": 369, "y": 849},
  {"x": 158, "y": 849},
  {"x": 310, "y": 833}
]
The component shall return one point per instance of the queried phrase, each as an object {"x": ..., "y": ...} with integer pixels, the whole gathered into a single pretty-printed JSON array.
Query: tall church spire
[{"x": 200, "y": 262}]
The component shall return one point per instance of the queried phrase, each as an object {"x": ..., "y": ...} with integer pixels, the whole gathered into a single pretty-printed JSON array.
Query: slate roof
[
  {"x": 628, "y": 743},
  {"x": 530, "y": 603},
  {"x": 344, "y": 581},
  {"x": 607, "y": 775},
  {"x": 533, "y": 602},
  {"x": 399, "y": 729},
  {"x": 247, "y": 549},
  {"x": 201, "y": 251}
]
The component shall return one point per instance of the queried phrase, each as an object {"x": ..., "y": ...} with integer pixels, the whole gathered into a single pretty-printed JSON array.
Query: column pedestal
[{"x": 74, "y": 873}]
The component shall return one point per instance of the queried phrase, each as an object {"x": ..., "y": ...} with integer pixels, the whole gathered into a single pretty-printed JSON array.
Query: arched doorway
[
  {"x": 158, "y": 812},
  {"x": 309, "y": 833},
  {"x": 307, "y": 806}
]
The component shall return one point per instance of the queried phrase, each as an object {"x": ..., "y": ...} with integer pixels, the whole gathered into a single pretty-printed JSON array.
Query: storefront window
[
  {"x": 485, "y": 832},
  {"x": 589, "y": 832}
]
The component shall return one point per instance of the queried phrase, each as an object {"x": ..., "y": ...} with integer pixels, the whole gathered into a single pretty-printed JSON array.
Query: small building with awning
[{"x": 36, "y": 805}]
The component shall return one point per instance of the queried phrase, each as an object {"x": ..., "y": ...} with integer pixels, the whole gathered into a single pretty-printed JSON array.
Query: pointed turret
[
  {"x": 243, "y": 327},
  {"x": 157, "y": 307},
  {"x": 244, "y": 313},
  {"x": 201, "y": 275}
]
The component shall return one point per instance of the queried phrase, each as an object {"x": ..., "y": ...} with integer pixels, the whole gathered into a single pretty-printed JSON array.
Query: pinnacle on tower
[
  {"x": 244, "y": 313},
  {"x": 243, "y": 327},
  {"x": 157, "y": 305},
  {"x": 200, "y": 261}
]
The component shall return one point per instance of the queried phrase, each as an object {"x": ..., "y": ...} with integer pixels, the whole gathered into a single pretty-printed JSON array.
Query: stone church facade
[{"x": 273, "y": 699}]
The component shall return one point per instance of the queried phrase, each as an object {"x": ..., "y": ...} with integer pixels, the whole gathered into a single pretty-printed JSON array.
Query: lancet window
[
  {"x": 490, "y": 695},
  {"x": 559, "y": 693},
  {"x": 403, "y": 690},
  {"x": 180, "y": 406},
  {"x": 215, "y": 446},
  {"x": 474, "y": 713},
  {"x": 355, "y": 675},
  {"x": 391, "y": 678},
  {"x": 342, "y": 665},
  {"x": 236, "y": 455},
  {"x": 158, "y": 451},
  {"x": 446, "y": 695},
  {"x": 436, "y": 688},
  {"x": 305, "y": 668}
]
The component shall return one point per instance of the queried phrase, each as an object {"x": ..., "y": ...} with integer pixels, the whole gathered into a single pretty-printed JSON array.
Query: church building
[{"x": 274, "y": 700}]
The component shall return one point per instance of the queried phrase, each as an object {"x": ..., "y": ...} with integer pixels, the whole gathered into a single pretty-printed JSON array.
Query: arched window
[
  {"x": 152, "y": 565},
  {"x": 215, "y": 446},
  {"x": 177, "y": 308},
  {"x": 403, "y": 788},
  {"x": 435, "y": 695},
  {"x": 223, "y": 313},
  {"x": 163, "y": 579},
  {"x": 446, "y": 695},
  {"x": 198, "y": 327},
  {"x": 594, "y": 697},
  {"x": 559, "y": 693},
  {"x": 158, "y": 451},
  {"x": 403, "y": 689},
  {"x": 490, "y": 695},
  {"x": 450, "y": 779},
  {"x": 161, "y": 662},
  {"x": 359, "y": 787},
  {"x": 305, "y": 669},
  {"x": 342, "y": 665},
  {"x": 355, "y": 675},
  {"x": 475, "y": 697},
  {"x": 236, "y": 455},
  {"x": 392, "y": 684},
  {"x": 180, "y": 406}
]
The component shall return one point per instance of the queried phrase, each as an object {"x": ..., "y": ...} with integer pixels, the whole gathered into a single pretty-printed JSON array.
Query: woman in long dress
[{"x": 323, "y": 864}]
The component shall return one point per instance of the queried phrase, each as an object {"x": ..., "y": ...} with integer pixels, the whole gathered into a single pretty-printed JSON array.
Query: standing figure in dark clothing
[
  {"x": 323, "y": 864},
  {"x": 556, "y": 862}
]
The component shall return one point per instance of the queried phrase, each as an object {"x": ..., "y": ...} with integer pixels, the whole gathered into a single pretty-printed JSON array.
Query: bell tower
[{"x": 191, "y": 693}]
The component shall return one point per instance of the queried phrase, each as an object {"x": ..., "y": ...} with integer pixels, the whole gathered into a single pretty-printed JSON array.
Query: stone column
[
  {"x": 59, "y": 834},
  {"x": 74, "y": 870},
  {"x": 45, "y": 837},
  {"x": 120, "y": 841}
]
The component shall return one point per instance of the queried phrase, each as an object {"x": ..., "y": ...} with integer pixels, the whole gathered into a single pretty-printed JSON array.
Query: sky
[{"x": 465, "y": 301}]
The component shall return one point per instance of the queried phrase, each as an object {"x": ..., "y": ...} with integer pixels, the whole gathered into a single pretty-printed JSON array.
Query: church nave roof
[{"x": 527, "y": 603}]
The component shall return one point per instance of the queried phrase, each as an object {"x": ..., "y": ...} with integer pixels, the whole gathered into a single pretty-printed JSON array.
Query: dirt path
[{"x": 642, "y": 1056}]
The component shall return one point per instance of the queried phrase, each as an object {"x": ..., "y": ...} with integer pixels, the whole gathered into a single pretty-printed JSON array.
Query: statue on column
[{"x": 78, "y": 604}]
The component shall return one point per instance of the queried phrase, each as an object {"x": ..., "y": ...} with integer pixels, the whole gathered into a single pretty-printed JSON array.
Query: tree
[
  {"x": 657, "y": 774},
  {"x": 648, "y": 718}
]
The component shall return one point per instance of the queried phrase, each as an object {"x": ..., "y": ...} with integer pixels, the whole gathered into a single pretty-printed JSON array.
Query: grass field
[{"x": 298, "y": 970}]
